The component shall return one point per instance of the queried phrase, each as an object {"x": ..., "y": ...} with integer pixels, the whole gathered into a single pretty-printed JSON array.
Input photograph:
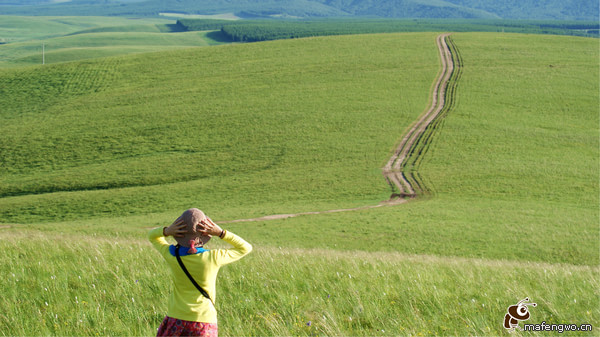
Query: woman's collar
[{"x": 183, "y": 251}]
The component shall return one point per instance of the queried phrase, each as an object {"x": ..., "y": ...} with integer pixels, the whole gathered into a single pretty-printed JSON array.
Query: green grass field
[
  {"x": 98, "y": 45},
  {"x": 103, "y": 285},
  {"x": 318, "y": 127},
  {"x": 34, "y": 40},
  {"x": 25, "y": 28},
  {"x": 97, "y": 152}
]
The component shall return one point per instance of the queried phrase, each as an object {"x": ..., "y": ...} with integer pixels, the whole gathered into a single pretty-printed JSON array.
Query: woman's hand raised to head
[
  {"x": 208, "y": 227},
  {"x": 177, "y": 229}
]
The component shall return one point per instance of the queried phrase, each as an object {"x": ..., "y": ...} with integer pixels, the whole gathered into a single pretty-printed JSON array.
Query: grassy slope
[
  {"x": 97, "y": 45},
  {"x": 506, "y": 213},
  {"x": 77, "y": 38},
  {"x": 307, "y": 164},
  {"x": 207, "y": 126},
  {"x": 514, "y": 169},
  {"x": 530, "y": 159},
  {"x": 25, "y": 28}
]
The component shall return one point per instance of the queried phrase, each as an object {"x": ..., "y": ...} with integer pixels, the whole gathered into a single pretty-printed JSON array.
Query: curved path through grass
[{"x": 400, "y": 170}]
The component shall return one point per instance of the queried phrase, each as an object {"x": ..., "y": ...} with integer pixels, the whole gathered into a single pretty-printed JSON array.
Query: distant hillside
[
  {"x": 483, "y": 9},
  {"x": 504, "y": 9}
]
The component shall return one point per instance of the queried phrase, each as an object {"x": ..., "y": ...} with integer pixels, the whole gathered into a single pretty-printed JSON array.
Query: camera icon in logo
[{"x": 516, "y": 313}]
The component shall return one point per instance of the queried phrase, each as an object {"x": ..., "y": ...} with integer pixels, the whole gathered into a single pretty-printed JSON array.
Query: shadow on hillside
[
  {"x": 218, "y": 36},
  {"x": 171, "y": 28}
]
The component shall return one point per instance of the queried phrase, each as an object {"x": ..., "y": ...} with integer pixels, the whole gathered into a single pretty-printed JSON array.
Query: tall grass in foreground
[{"x": 92, "y": 285}]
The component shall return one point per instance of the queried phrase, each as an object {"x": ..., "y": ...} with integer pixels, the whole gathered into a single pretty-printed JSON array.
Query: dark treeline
[
  {"x": 263, "y": 30},
  {"x": 206, "y": 24}
]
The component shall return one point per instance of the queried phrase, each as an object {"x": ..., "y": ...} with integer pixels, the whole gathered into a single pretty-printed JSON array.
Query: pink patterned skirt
[{"x": 177, "y": 327}]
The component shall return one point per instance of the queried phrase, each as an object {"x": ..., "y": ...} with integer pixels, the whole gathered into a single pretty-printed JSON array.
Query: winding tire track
[{"x": 401, "y": 171}]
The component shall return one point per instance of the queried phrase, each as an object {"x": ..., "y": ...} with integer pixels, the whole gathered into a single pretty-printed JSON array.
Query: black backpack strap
[{"x": 202, "y": 291}]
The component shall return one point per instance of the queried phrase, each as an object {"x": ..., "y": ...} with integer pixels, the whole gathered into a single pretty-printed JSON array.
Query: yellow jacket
[{"x": 186, "y": 302}]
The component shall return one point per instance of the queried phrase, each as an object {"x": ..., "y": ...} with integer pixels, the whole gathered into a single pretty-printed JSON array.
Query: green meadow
[
  {"x": 97, "y": 45},
  {"x": 37, "y": 40},
  {"x": 25, "y": 28},
  {"x": 97, "y": 152},
  {"x": 102, "y": 285},
  {"x": 238, "y": 131}
]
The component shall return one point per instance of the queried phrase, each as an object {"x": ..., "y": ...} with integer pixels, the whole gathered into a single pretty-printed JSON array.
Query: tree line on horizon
[{"x": 264, "y": 30}]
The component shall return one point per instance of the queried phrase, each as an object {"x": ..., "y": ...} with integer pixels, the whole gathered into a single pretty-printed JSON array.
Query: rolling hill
[
  {"x": 526, "y": 9},
  {"x": 306, "y": 125}
]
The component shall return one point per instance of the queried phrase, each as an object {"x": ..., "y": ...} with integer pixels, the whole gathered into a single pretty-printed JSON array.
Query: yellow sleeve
[
  {"x": 240, "y": 249},
  {"x": 158, "y": 240}
]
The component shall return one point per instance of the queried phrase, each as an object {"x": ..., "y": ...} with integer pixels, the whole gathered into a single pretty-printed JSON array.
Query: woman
[{"x": 191, "y": 309}]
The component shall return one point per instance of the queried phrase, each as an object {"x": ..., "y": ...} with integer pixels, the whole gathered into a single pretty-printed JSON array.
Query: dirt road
[
  {"x": 400, "y": 170},
  {"x": 397, "y": 171}
]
